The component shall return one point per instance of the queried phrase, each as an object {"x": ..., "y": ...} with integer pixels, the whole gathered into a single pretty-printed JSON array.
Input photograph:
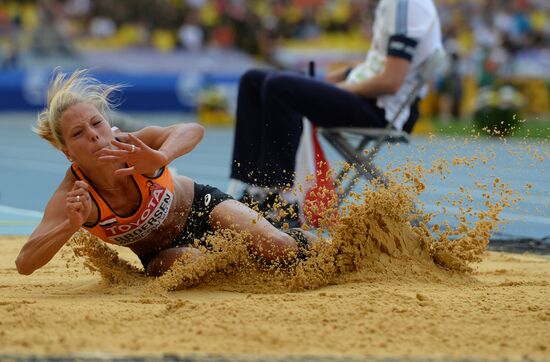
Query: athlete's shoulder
[{"x": 70, "y": 175}]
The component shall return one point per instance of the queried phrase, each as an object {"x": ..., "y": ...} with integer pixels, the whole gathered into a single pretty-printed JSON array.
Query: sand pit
[
  {"x": 379, "y": 287},
  {"x": 397, "y": 308}
]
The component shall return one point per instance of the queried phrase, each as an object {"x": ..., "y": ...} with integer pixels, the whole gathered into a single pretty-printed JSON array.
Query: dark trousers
[{"x": 270, "y": 108}]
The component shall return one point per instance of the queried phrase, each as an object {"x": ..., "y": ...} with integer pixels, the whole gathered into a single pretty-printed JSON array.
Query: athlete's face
[{"x": 85, "y": 131}]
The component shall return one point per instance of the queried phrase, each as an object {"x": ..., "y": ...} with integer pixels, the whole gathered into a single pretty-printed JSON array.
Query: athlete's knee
[
  {"x": 293, "y": 244},
  {"x": 281, "y": 238},
  {"x": 273, "y": 246}
]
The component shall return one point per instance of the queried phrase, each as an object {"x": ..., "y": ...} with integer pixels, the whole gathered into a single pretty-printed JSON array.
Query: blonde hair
[{"x": 64, "y": 92}]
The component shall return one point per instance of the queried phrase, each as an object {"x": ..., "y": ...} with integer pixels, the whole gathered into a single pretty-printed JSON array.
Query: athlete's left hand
[{"x": 141, "y": 158}]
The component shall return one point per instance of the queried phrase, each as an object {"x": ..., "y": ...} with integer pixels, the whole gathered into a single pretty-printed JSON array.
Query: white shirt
[{"x": 405, "y": 28}]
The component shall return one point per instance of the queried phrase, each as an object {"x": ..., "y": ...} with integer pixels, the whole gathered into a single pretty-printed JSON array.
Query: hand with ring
[
  {"x": 140, "y": 157},
  {"x": 78, "y": 204}
]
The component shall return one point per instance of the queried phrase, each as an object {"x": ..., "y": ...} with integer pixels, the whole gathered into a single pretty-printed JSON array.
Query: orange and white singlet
[{"x": 156, "y": 195}]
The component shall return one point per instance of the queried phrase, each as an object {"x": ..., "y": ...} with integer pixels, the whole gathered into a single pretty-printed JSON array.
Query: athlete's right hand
[{"x": 78, "y": 204}]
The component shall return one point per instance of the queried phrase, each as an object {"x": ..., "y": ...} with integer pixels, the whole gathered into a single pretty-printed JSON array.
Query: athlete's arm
[
  {"x": 153, "y": 147},
  {"x": 387, "y": 82},
  {"x": 173, "y": 141},
  {"x": 66, "y": 212}
]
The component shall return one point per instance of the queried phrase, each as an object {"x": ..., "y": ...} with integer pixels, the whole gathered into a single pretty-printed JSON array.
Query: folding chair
[{"x": 372, "y": 139}]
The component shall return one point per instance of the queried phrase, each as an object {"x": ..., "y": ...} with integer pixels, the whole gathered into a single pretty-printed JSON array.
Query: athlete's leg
[{"x": 263, "y": 239}]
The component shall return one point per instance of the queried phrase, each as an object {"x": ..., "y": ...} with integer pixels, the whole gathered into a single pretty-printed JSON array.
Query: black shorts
[{"x": 206, "y": 198}]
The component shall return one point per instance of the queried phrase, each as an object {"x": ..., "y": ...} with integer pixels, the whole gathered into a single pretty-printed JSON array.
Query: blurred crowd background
[{"x": 492, "y": 43}]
